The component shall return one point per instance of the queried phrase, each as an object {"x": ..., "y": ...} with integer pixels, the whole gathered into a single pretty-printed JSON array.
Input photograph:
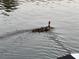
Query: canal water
[{"x": 19, "y": 17}]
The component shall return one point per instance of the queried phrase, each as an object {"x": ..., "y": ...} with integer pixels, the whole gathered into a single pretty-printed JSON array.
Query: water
[{"x": 18, "y": 17}]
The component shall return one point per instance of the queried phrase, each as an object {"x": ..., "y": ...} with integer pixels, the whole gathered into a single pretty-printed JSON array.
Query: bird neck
[{"x": 49, "y": 24}]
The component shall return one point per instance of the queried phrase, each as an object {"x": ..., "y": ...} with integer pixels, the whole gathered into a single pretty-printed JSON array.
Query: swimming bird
[{"x": 43, "y": 29}]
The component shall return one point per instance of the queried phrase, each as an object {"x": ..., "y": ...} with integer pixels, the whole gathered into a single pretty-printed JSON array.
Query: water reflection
[{"x": 8, "y": 5}]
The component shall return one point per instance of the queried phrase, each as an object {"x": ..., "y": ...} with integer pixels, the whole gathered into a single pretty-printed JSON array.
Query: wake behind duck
[{"x": 43, "y": 29}]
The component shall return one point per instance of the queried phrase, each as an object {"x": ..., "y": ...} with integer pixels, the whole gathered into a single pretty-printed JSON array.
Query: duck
[{"x": 43, "y": 29}]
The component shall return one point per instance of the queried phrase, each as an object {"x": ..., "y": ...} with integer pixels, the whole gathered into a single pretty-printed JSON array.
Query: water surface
[{"x": 18, "y": 17}]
